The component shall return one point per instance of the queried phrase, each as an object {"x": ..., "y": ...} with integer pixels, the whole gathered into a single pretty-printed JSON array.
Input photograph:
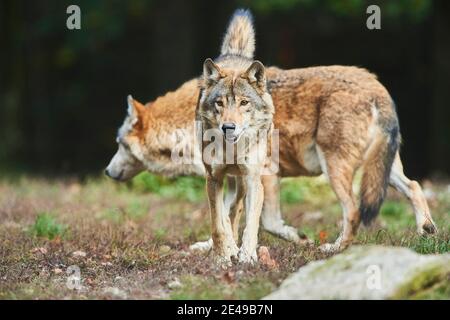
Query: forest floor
[{"x": 131, "y": 241}]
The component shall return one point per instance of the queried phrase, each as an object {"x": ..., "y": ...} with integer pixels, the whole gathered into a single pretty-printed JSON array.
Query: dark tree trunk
[
  {"x": 440, "y": 118},
  {"x": 12, "y": 78}
]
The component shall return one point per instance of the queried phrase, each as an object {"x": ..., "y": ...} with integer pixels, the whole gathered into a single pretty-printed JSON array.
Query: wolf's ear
[
  {"x": 135, "y": 108},
  {"x": 211, "y": 72},
  {"x": 256, "y": 75}
]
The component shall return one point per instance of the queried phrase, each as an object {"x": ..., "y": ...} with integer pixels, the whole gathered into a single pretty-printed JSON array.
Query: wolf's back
[{"x": 239, "y": 39}]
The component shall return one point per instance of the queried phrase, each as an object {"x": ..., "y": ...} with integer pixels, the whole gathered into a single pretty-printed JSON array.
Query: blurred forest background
[{"x": 63, "y": 92}]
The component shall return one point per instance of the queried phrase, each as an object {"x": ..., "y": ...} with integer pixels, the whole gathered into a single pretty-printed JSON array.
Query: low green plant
[
  {"x": 186, "y": 188},
  {"x": 305, "y": 190},
  {"x": 46, "y": 226}
]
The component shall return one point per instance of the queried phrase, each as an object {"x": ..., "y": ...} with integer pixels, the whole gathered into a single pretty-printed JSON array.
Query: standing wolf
[
  {"x": 235, "y": 106},
  {"x": 331, "y": 120}
]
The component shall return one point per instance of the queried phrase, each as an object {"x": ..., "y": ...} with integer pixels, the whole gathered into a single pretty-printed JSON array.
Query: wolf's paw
[
  {"x": 225, "y": 253},
  {"x": 289, "y": 233},
  {"x": 223, "y": 261},
  {"x": 233, "y": 250},
  {"x": 427, "y": 228},
  {"x": 281, "y": 230},
  {"x": 202, "y": 246},
  {"x": 246, "y": 257},
  {"x": 332, "y": 247}
]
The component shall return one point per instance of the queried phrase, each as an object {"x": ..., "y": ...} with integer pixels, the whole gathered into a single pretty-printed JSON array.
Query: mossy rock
[{"x": 370, "y": 272}]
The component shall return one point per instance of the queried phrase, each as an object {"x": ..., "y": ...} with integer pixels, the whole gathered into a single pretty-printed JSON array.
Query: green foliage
[
  {"x": 267, "y": 6},
  {"x": 105, "y": 20},
  {"x": 46, "y": 226},
  {"x": 430, "y": 245},
  {"x": 411, "y": 9},
  {"x": 146, "y": 182},
  {"x": 393, "y": 209},
  {"x": 397, "y": 215},
  {"x": 346, "y": 7},
  {"x": 187, "y": 188},
  {"x": 300, "y": 190},
  {"x": 293, "y": 192}
]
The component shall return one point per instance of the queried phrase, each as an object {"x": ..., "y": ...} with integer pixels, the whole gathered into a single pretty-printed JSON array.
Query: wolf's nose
[
  {"x": 228, "y": 127},
  {"x": 107, "y": 172}
]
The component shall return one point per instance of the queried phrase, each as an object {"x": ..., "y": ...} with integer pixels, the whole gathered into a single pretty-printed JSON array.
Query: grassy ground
[{"x": 131, "y": 240}]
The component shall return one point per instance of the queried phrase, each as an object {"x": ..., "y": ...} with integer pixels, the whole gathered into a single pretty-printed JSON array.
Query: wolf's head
[
  {"x": 128, "y": 162},
  {"x": 234, "y": 97},
  {"x": 233, "y": 91}
]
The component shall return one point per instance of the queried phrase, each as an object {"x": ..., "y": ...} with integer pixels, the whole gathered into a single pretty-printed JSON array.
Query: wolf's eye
[
  {"x": 219, "y": 103},
  {"x": 244, "y": 102}
]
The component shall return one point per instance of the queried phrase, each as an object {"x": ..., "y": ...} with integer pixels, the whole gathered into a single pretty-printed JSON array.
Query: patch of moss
[
  {"x": 440, "y": 291},
  {"x": 423, "y": 282}
]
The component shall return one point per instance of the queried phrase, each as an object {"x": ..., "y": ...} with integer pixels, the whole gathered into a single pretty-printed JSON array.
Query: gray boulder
[{"x": 367, "y": 272}]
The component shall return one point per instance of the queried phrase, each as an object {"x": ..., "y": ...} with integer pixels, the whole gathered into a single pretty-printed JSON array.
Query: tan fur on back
[
  {"x": 175, "y": 109},
  {"x": 338, "y": 94}
]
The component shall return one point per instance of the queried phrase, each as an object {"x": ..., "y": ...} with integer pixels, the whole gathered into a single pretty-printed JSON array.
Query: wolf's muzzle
[{"x": 118, "y": 178}]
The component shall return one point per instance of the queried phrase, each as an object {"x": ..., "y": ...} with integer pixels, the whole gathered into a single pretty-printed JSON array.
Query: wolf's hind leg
[
  {"x": 341, "y": 174},
  {"x": 271, "y": 213},
  {"x": 413, "y": 191}
]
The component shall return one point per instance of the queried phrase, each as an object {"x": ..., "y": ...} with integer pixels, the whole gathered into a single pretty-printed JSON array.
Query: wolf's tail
[
  {"x": 240, "y": 36},
  {"x": 377, "y": 169}
]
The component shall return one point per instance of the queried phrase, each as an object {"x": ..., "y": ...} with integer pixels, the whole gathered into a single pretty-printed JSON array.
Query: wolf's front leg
[
  {"x": 237, "y": 207},
  {"x": 253, "y": 205},
  {"x": 233, "y": 207},
  {"x": 223, "y": 243}
]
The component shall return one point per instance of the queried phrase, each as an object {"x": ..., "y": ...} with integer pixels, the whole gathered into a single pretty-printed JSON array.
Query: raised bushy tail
[
  {"x": 240, "y": 36},
  {"x": 376, "y": 172}
]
